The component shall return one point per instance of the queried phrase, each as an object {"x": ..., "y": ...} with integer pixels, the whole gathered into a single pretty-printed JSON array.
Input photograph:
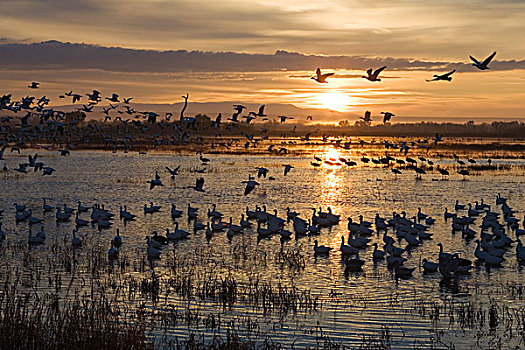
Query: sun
[{"x": 336, "y": 101}]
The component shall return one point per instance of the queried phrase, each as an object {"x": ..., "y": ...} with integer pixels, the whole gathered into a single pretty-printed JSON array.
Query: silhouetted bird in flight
[
  {"x": 373, "y": 76},
  {"x": 482, "y": 65},
  {"x": 387, "y": 116},
  {"x": 321, "y": 78},
  {"x": 446, "y": 76}
]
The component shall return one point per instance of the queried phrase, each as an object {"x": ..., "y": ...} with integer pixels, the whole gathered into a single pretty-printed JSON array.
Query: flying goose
[
  {"x": 373, "y": 76},
  {"x": 321, "y": 78},
  {"x": 483, "y": 65},
  {"x": 446, "y": 76}
]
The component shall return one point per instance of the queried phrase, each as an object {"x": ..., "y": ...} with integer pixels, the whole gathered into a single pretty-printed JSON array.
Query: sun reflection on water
[{"x": 331, "y": 180}]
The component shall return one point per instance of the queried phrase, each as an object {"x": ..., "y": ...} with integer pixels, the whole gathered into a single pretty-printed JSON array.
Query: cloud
[
  {"x": 59, "y": 55},
  {"x": 398, "y": 28}
]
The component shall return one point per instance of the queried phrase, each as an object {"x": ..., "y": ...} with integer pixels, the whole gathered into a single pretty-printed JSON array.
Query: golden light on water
[{"x": 331, "y": 180}]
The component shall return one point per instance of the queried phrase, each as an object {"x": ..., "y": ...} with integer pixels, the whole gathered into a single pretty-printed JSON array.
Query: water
[{"x": 349, "y": 306}]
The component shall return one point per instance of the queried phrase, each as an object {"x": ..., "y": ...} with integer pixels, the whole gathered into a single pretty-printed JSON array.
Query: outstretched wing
[
  {"x": 326, "y": 75},
  {"x": 379, "y": 70},
  {"x": 449, "y": 73},
  {"x": 261, "y": 110},
  {"x": 474, "y": 60},
  {"x": 488, "y": 59},
  {"x": 318, "y": 72}
]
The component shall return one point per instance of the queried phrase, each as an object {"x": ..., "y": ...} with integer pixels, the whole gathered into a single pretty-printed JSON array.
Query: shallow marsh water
[{"x": 345, "y": 307}]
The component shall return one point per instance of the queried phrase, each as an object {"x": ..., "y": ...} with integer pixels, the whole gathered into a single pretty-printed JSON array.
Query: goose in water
[
  {"x": 46, "y": 207},
  {"x": 377, "y": 254},
  {"x": 75, "y": 241},
  {"x": 34, "y": 240},
  {"x": 403, "y": 272},
  {"x": 262, "y": 232},
  {"x": 81, "y": 208},
  {"x": 19, "y": 207},
  {"x": 152, "y": 208},
  {"x": 155, "y": 182},
  {"x": 373, "y": 75},
  {"x": 354, "y": 264},
  {"x": 177, "y": 233},
  {"x": 117, "y": 240},
  {"x": 251, "y": 214},
  {"x": 321, "y": 78},
  {"x": 244, "y": 223},
  {"x": 34, "y": 85},
  {"x": 197, "y": 226},
  {"x": 448, "y": 215},
  {"x": 488, "y": 258},
  {"x": 80, "y": 222},
  {"x": 290, "y": 215},
  {"x": 158, "y": 238},
  {"x": 60, "y": 216},
  {"x": 347, "y": 249},
  {"x": 126, "y": 215},
  {"x": 520, "y": 252},
  {"x": 41, "y": 233},
  {"x": 33, "y": 220},
  {"x": 446, "y": 76},
  {"x": 483, "y": 65},
  {"x": 321, "y": 249},
  {"x": 458, "y": 206},
  {"x": 112, "y": 252},
  {"x": 175, "y": 213},
  {"x": 233, "y": 227},
  {"x": 429, "y": 266},
  {"x": 152, "y": 251},
  {"x": 213, "y": 213},
  {"x": 153, "y": 242},
  {"x": 68, "y": 209}
]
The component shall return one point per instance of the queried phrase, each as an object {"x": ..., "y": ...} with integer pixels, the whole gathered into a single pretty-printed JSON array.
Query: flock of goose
[
  {"x": 373, "y": 76},
  {"x": 400, "y": 233}
]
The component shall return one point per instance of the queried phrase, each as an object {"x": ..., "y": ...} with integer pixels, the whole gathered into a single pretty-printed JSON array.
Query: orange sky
[{"x": 419, "y": 30}]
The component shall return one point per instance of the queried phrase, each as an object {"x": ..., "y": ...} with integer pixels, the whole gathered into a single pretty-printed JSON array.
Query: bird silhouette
[
  {"x": 321, "y": 78},
  {"x": 483, "y": 65},
  {"x": 373, "y": 76}
]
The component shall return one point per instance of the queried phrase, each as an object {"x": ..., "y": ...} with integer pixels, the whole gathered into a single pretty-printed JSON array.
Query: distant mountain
[
  {"x": 212, "y": 109},
  {"x": 273, "y": 110}
]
